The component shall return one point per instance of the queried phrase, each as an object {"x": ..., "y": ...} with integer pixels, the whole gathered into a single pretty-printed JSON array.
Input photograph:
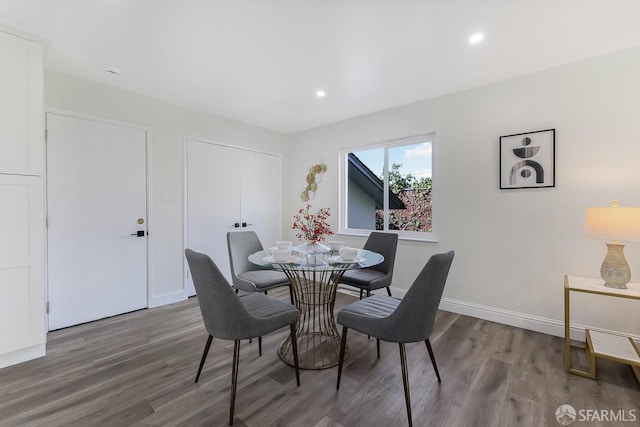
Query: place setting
[
  {"x": 336, "y": 253},
  {"x": 282, "y": 253}
]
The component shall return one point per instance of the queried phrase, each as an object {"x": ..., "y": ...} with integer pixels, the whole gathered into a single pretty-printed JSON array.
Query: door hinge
[
  {"x": 46, "y": 135},
  {"x": 47, "y": 307},
  {"x": 46, "y": 222}
]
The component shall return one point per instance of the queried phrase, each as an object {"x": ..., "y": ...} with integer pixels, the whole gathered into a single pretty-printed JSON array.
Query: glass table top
[{"x": 327, "y": 260}]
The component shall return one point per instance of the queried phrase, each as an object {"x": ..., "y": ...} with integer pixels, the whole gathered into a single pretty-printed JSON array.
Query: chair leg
[
  {"x": 343, "y": 345},
  {"x": 378, "y": 347},
  {"x": 389, "y": 291},
  {"x": 234, "y": 378},
  {"x": 360, "y": 293},
  {"x": 433, "y": 359},
  {"x": 259, "y": 340},
  {"x": 204, "y": 356},
  {"x": 368, "y": 295},
  {"x": 238, "y": 290},
  {"x": 405, "y": 381},
  {"x": 291, "y": 294},
  {"x": 294, "y": 347}
]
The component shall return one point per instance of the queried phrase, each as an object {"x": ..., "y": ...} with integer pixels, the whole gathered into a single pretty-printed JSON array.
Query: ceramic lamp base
[{"x": 615, "y": 271}]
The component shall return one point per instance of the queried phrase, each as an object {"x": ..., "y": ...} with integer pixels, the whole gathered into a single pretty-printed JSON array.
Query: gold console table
[{"x": 599, "y": 344}]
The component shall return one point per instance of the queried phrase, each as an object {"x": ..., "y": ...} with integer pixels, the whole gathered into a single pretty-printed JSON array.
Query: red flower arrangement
[{"x": 313, "y": 227}]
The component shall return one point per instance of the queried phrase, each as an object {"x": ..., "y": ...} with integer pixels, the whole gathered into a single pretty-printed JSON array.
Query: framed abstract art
[{"x": 527, "y": 160}]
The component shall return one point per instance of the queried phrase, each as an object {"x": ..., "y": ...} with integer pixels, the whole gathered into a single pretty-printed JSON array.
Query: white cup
[
  {"x": 335, "y": 245},
  {"x": 348, "y": 254},
  {"x": 283, "y": 244},
  {"x": 281, "y": 255}
]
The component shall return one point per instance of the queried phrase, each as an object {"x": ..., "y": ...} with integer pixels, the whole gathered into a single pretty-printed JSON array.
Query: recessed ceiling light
[
  {"x": 113, "y": 70},
  {"x": 320, "y": 93},
  {"x": 476, "y": 38}
]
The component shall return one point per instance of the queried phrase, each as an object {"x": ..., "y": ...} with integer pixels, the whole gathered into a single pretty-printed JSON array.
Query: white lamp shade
[{"x": 613, "y": 223}]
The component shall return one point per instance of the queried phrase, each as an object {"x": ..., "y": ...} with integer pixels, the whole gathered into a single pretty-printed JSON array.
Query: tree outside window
[
  {"x": 389, "y": 187},
  {"x": 415, "y": 193}
]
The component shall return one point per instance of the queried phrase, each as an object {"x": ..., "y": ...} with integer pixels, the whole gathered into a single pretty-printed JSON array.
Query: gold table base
[{"x": 318, "y": 339}]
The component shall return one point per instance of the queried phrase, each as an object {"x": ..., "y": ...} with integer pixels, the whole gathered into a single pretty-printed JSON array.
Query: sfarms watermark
[{"x": 567, "y": 415}]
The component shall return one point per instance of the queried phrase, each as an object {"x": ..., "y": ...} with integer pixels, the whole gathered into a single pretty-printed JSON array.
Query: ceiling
[{"x": 262, "y": 61}]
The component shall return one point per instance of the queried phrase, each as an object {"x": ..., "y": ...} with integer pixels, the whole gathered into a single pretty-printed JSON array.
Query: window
[{"x": 388, "y": 187}]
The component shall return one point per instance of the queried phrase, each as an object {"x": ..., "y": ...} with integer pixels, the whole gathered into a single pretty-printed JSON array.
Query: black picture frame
[{"x": 528, "y": 160}]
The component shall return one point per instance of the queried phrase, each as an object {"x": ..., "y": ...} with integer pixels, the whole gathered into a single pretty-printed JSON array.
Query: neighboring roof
[{"x": 364, "y": 177}]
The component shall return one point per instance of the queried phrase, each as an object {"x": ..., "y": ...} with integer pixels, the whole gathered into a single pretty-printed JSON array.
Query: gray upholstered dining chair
[
  {"x": 403, "y": 321},
  {"x": 379, "y": 276},
  {"x": 229, "y": 317},
  {"x": 245, "y": 275}
]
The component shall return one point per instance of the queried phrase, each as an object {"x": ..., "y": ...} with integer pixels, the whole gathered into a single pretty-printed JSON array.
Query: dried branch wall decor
[{"x": 313, "y": 178}]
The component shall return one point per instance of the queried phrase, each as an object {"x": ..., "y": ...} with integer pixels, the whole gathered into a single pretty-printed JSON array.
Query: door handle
[
  {"x": 244, "y": 224},
  {"x": 139, "y": 233},
  {"x": 236, "y": 225}
]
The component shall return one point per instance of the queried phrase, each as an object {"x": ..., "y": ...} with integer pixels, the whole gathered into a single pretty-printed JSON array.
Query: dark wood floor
[{"x": 138, "y": 369}]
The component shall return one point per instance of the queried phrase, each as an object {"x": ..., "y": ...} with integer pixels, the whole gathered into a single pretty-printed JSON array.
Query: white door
[
  {"x": 229, "y": 189},
  {"x": 97, "y": 206},
  {"x": 213, "y": 201},
  {"x": 261, "y": 194}
]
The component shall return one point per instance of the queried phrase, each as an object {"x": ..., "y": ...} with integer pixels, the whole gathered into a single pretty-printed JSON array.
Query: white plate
[
  {"x": 337, "y": 260},
  {"x": 290, "y": 260}
]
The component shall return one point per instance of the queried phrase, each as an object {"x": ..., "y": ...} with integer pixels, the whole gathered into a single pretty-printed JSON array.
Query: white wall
[
  {"x": 169, "y": 124},
  {"x": 512, "y": 246}
]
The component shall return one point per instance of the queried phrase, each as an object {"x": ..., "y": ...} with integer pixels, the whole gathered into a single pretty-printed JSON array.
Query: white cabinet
[
  {"x": 22, "y": 290},
  {"x": 21, "y": 106},
  {"x": 22, "y": 236},
  {"x": 229, "y": 189}
]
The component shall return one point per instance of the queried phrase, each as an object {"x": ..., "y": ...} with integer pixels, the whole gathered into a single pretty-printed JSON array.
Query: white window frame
[{"x": 344, "y": 178}]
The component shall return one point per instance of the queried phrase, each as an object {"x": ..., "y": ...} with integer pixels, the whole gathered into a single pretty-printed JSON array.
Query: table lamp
[{"x": 613, "y": 223}]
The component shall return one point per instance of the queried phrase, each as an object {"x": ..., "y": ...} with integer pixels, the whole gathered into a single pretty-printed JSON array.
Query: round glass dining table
[{"x": 314, "y": 279}]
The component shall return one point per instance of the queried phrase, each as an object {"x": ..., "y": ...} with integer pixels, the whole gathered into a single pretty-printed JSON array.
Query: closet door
[
  {"x": 229, "y": 189},
  {"x": 212, "y": 201},
  {"x": 261, "y": 196}
]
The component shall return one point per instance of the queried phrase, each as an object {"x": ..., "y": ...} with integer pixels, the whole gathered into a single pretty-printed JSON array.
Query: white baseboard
[
  {"x": 506, "y": 317},
  {"x": 168, "y": 298},
  {"x": 521, "y": 320},
  {"x": 22, "y": 355}
]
